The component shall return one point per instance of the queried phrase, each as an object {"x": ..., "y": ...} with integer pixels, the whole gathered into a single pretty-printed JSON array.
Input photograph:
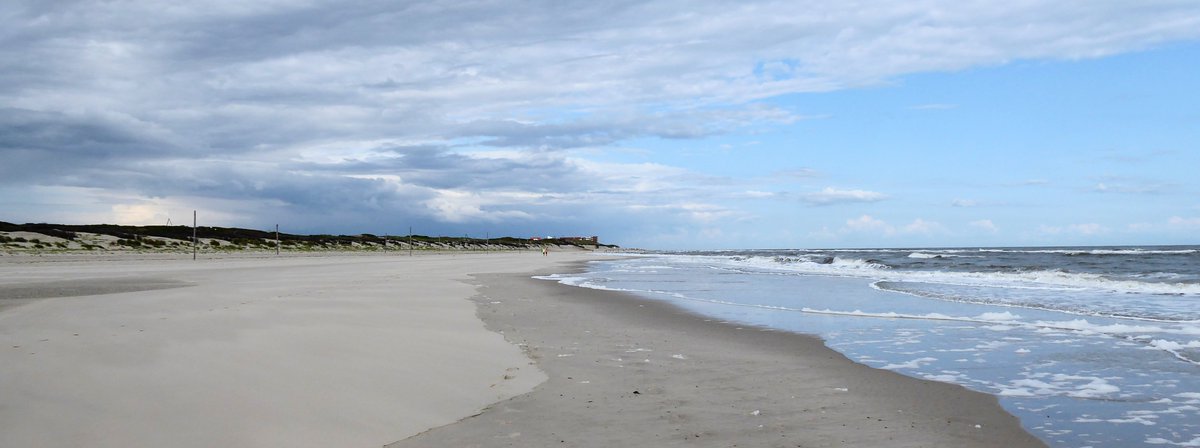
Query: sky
[{"x": 652, "y": 124}]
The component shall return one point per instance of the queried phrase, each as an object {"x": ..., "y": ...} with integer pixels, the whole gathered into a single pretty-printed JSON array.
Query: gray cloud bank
[{"x": 445, "y": 113}]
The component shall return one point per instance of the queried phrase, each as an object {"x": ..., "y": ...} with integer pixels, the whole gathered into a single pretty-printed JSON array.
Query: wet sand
[{"x": 626, "y": 371}]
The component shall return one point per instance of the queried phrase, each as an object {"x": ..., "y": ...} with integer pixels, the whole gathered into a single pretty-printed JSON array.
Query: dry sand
[
  {"x": 299, "y": 352},
  {"x": 363, "y": 351}
]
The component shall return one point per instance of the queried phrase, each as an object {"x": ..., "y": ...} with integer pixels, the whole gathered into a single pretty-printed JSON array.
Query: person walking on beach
[{"x": 545, "y": 251}]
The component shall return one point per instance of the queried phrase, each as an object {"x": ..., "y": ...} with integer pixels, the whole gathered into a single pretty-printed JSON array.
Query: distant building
[
  {"x": 582, "y": 239},
  {"x": 577, "y": 239}
]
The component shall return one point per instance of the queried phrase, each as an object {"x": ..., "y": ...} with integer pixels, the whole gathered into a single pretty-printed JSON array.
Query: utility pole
[
  {"x": 194, "y": 240},
  {"x": 410, "y": 247},
  {"x": 276, "y": 240}
]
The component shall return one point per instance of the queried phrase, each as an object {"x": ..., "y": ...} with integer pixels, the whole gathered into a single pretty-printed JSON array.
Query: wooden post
[
  {"x": 194, "y": 240},
  {"x": 276, "y": 240},
  {"x": 410, "y": 247}
]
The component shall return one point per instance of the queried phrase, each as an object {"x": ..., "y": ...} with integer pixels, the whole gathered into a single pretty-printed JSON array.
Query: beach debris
[
  {"x": 677, "y": 356},
  {"x": 841, "y": 389},
  {"x": 636, "y": 393},
  {"x": 756, "y": 412},
  {"x": 978, "y": 426}
]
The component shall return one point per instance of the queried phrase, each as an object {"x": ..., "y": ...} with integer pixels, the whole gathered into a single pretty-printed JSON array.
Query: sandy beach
[
  {"x": 247, "y": 352},
  {"x": 391, "y": 350}
]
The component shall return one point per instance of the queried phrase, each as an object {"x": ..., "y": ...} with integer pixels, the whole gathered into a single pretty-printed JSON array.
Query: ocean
[{"x": 1088, "y": 346}]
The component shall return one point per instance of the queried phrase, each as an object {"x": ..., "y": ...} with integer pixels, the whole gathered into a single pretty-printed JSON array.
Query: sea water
[{"x": 1091, "y": 346}]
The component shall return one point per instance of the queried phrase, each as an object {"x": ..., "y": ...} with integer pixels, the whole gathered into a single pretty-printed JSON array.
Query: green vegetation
[{"x": 159, "y": 237}]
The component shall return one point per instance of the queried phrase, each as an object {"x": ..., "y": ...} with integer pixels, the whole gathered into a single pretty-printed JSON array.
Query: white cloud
[
  {"x": 1140, "y": 227},
  {"x": 984, "y": 224},
  {"x": 1087, "y": 229},
  {"x": 1178, "y": 221},
  {"x": 462, "y": 206},
  {"x": 1129, "y": 188},
  {"x": 869, "y": 224},
  {"x": 693, "y": 211},
  {"x": 755, "y": 194},
  {"x": 923, "y": 227},
  {"x": 832, "y": 195},
  {"x": 798, "y": 173}
]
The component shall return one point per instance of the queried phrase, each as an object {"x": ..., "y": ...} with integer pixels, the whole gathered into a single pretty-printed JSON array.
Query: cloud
[
  {"x": 869, "y": 224},
  {"x": 1130, "y": 187},
  {"x": 602, "y": 130},
  {"x": 985, "y": 225},
  {"x": 1181, "y": 222},
  {"x": 923, "y": 227},
  {"x": 1087, "y": 229},
  {"x": 352, "y": 113},
  {"x": 756, "y": 194},
  {"x": 464, "y": 206},
  {"x": 797, "y": 173},
  {"x": 693, "y": 211},
  {"x": 830, "y": 196}
]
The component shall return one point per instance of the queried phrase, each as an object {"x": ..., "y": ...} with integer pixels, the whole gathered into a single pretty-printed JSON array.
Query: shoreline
[{"x": 629, "y": 371}]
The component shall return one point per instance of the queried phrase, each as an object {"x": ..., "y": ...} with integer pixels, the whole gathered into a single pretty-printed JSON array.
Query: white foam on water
[
  {"x": 1036, "y": 279},
  {"x": 940, "y": 254},
  {"x": 1094, "y": 251},
  {"x": 913, "y": 364},
  {"x": 944, "y": 378},
  {"x": 997, "y": 321},
  {"x": 1161, "y": 441},
  {"x": 1172, "y": 345},
  {"x": 1044, "y": 384}
]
